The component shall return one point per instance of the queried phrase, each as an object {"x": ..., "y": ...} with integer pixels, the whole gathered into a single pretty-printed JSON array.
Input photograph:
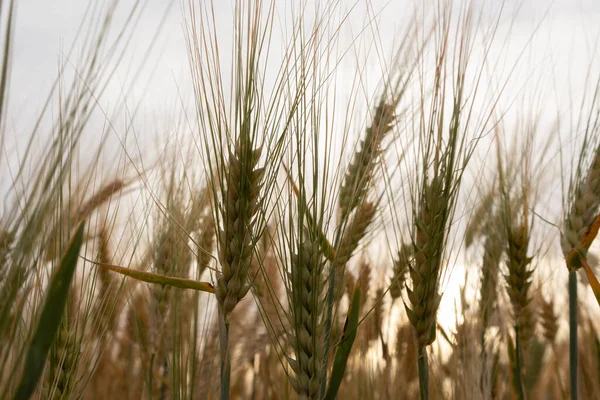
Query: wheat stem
[
  {"x": 423, "y": 366},
  {"x": 225, "y": 355},
  {"x": 573, "y": 345}
]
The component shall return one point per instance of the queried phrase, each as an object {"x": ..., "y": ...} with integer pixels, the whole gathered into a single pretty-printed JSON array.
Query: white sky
[{"x": 43, "y": 29}]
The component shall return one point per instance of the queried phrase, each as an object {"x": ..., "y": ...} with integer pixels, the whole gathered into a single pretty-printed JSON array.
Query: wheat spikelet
[
  {"x": 519, "y": 281},
  {"x": 350, "y": 284},
  {"x": 236, "y": 242},
  {"x": 353, "y": 233},
  {"x": 172, "y": 257},
  {"x": 307, "y": 338},
  {"x": 361, "y": 169},
  {"x": 375, "y": 319},
  {"x": 58, "y": 238},
  {"x": 479, "y": 218},
  {"x": 101, "y": 197},
  {"x": 206, "y": 244},
  {"x": 401, "y": 266},
  {"x": 549, "y": 320},
  {"x": 365, "y": 283},
  {"x": 351, "y": 238},
  {"x": 490, "y": 268},
  {"x": 109, "y": 296}
]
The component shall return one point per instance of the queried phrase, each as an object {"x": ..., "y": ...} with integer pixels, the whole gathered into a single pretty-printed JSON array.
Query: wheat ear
[
  {"x": 360, "y": 171},
  {"x": 401, "y": 266},
  {"x": 236, "y": 238},
  {"x": 307, "y": 338}
]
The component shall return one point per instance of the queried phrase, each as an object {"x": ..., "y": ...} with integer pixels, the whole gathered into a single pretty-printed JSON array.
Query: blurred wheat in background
[{"x": 300, "y": 199}]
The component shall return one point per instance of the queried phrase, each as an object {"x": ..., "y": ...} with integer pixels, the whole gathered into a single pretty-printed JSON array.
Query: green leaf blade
[
  {"x": 49, "y": 322},
  {"x": 343, "y": 351}
]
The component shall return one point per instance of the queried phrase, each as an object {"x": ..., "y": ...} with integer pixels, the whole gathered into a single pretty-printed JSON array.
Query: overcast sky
[{"x": 565, "y": 39}]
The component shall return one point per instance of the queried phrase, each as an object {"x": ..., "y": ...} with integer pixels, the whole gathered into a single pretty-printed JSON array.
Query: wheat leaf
[
  {"x": 50, "y": 318},
  {"x": 575, "y": 259},
  {"x": 592, "y": 278},
  {"x": 149, "y": 277},
  {"x": 343, "y": 351}
]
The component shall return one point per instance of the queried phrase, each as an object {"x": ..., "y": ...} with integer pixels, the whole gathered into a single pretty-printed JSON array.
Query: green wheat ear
[
  {"x": 236, "y": 238},
  {"x": 362, "y": 167},
  {"x": 307, "y": 336}
]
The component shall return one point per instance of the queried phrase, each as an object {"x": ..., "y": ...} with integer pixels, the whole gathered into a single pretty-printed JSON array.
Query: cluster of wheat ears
[{"x": 302, "y": 247}]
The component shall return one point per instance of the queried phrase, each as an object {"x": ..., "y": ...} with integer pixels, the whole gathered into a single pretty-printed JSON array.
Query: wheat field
[{"x": 332, "y": 210}]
